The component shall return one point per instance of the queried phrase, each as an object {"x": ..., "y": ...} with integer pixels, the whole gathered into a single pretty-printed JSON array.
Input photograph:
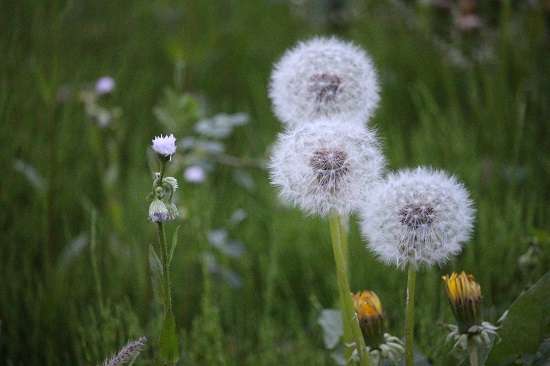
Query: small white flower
[
  {"x": 105, "y": 85},
  {"x": 172, "y": 182},
  {"x": 158, "y": 211},
  {"x": 165, "y": 146},
  {"x": 417, "y": 217},
  {"x": 324, "y": 166},
  {"x": 172, "y": 212},
  {"x": 194, "y": 174},
  {"x": 322, "y": 77}
]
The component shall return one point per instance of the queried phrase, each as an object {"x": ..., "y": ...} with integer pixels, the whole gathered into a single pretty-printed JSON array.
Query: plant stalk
[
  {"x": 165, "y": 273},
  {"x": 409, "y": 317},
  {"x": 348, "y": 312},
  {"x": 473, "y": 354}
]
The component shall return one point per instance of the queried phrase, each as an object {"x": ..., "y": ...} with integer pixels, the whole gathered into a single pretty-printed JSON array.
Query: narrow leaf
[
  {"x": 168, "y": 339},
  {"x": 156, "y": 274},
  {"x": 174, "y": 243}
]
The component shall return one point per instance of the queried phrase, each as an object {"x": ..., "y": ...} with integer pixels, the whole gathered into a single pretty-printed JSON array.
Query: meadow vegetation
[{"x": 250, "y": 275}]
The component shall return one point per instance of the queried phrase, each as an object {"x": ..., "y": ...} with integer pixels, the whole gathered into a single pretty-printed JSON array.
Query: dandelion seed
[
  {"x": 323, "y": 166},
  {"x": 324, "y": 77},
  {"x": 417, "y": 217}
]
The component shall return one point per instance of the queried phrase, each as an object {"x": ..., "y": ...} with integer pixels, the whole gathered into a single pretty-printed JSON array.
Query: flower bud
[
  {"x": 371, "y": 317},
  {"x": 158, "y": 211},
  {"x": 465, "y": 298},
  {"x": 172, "y": 212}
]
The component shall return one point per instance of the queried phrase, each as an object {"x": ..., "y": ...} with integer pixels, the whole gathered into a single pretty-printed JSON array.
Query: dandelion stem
[
  {"x": 409, "y": 317},
  {"x": 348, "y": 312},
  {"x": 473, "y": 354}
]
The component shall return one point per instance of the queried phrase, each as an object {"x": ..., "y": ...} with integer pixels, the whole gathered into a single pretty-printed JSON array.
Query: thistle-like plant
[{"x": 163, "y": 210}]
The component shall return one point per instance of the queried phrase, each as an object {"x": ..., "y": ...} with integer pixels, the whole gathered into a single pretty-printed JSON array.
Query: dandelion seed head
[
  {"x": 419, "y": 217},
  {"x": 329, "y": 165},
  {"x": 323, "y": 77},
  {"x": 323, "y": 166}
]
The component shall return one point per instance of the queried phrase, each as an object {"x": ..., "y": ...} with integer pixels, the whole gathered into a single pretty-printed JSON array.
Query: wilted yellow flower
[
  {"x": 371, "y": 317},
  {"x": 464, "y": 295},
  {"x": 371, "y": 320}
]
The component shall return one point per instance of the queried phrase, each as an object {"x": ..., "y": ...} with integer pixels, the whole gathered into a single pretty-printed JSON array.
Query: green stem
[
  {"x": 344, "y": 241},
  {"x": 165, "y": 274},
  {"x": 409, "y": 317},
  {"x": 348, "y": 335},
  {"x": 95, "y": 270},
  {"x": 473, "y": 354},
  {"x": 348, "y": 312}
]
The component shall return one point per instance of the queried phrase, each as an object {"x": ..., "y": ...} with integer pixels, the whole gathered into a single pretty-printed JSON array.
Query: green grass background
[{"x": 487, "y": 121}]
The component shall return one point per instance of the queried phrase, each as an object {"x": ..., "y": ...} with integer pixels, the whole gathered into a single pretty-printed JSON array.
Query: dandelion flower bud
[
  {"x": 464, "y": 295},
  {"x": 158, "y": 211},
  {"x": 471, "y": 333},
  {"x": 323, "y": 166},
  {"x": 164, "y": 146},
  {"x": 323, "y": 77},
  {"x": 371, "y": 320},
  {"x": 371, "y": 317},
  {"x": 417, "y": 217}
]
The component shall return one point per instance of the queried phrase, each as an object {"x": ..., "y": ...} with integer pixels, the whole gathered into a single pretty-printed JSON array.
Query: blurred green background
[{"x": 465, "y": 87}]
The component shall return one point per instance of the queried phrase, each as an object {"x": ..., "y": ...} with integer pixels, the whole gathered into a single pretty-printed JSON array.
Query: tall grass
[{"x": 486, "y": 121}]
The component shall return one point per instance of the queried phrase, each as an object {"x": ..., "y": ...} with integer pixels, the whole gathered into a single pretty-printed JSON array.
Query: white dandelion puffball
[
  {"x": 418, "y": 217},
  {"x": 322, "y": 77},
  {"x": 164, "y": 146},
  {"x": 324, "y": 166}
]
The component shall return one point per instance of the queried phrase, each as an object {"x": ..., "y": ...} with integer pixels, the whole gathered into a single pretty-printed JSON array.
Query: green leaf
[
  {"x": 158, "y": 363},
  {"x": 156, "y": 274},
  {"x": 168, "y": 339},
  {"x": 527, "y": 324},
  {"x": 174, "y": 243}
]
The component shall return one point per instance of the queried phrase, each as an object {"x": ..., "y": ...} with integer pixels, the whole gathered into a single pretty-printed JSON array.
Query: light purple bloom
[
  {"x": 164, "y": 145},
  {"x": 194, "y": 174},
  {"x": 105, "y": 85},
  {"x": 158, "y": 212}
]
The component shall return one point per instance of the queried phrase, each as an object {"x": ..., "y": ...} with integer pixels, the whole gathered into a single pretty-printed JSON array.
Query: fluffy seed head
[
  {"x": 417, "y": 217},
  {"x": 323, "y": 77},
  {"x": 324, "y": 166}
]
